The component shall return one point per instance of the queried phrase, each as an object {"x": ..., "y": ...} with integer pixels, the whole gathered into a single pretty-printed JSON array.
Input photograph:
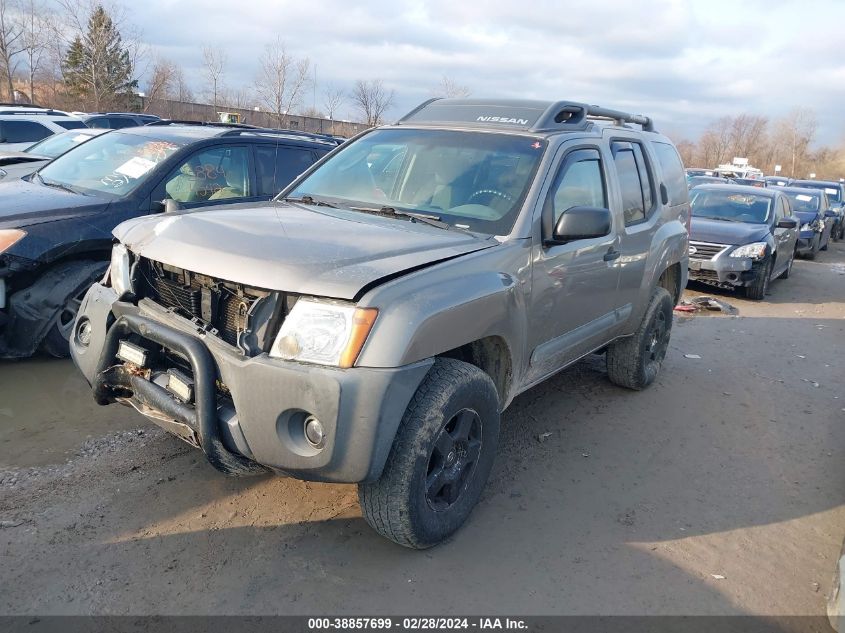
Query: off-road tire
[
  {"x": 758, "y": 288},
  {"x": 786, "y": 273},
  {"x": 634, "y": 362},
  {"x": 397, "y": 505}
]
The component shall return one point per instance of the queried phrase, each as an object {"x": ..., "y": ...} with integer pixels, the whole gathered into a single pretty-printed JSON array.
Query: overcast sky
[{"x": 683, "y": 62}]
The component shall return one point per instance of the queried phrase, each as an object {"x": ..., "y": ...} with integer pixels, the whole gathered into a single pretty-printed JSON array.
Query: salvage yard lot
[{"x": 716, "y": 491}]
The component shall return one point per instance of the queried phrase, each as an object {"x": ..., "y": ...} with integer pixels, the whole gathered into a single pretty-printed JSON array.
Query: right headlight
[
  {"x": 324, "y": 333},
  {"x": 119, "y": 272},
  {"x": 10, "y": 237}
]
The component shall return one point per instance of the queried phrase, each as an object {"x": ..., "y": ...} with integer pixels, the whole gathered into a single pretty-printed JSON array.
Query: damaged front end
[{"x": 33, "y": 300}]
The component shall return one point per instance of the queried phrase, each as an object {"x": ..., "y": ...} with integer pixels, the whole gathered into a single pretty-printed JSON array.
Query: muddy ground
[{"x": 717, "y": 491}]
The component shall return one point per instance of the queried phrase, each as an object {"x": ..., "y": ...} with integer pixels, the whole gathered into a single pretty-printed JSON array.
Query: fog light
[
  {"x": 314, "y": 432},
  {"x": 180, "y": 385},
  {"x": 83, "y": 332},
  {"x": 130, "y": 353}
]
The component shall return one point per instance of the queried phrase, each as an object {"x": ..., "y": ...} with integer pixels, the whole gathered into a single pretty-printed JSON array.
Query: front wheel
[
  {"x": 635, "y": 361},
  {"x": 440, "y": 459},
  {"x": 757, "y": 290},
  {"x": 814, "y": 250}
]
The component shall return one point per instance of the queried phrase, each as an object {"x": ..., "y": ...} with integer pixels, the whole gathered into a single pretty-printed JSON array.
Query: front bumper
[
  {"x": 723, "y": 270},
  {"x": 246, "y": 410}
]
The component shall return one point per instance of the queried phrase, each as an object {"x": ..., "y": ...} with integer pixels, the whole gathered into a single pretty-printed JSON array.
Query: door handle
[{"x": 610, "y": 255}]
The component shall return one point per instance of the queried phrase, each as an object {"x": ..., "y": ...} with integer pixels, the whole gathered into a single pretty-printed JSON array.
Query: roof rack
[
  {"x": 9, "y": 104},
  {"x": 528, "y": 115},
  {"x": 268, "y": 131},
  {"x": 33, "y": 112},
  {"x": 203, "y": 123}
]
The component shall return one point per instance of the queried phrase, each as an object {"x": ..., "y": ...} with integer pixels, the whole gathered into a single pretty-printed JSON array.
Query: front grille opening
[{"x": 235, "y": 313}]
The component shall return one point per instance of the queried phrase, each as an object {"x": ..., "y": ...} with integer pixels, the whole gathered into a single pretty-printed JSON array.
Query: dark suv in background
[
  {"x": 835, "y": 192},
  {"x": 118, "y": 120},
  {"x": 56, "y": 224}
]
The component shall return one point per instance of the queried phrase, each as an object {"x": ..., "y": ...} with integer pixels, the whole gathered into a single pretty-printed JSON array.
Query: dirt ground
[{"x": 719, "y": 490}]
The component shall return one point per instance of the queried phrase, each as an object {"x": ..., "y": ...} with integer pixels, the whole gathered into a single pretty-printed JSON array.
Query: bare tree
[
  {"x": 371, "y": 99},
  {"x": 282, "y": 80},
  {"x": 450, "y": 89},
  {"x": 38, "y": 27},
  {"x": 160, "y": 85},
  {"x": 214, "y": 60},
  {"x": 11, "y": 43},
  {"x": 795, "y": 133},
  {"x": 333, "y": 99}
]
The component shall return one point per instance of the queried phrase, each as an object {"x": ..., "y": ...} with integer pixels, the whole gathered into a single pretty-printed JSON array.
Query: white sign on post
[{"x": 777, "y": 169}]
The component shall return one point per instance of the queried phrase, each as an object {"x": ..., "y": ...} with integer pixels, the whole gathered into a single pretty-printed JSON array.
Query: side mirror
[
  {"x": 787, "y": 223},
  {"x": 581, "y": 223},
  {"x": 830, "y": 213}
]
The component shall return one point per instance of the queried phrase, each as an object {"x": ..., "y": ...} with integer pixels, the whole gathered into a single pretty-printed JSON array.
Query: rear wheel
[
  {"x": 635, "y": 361},
  {"x": 440, "y": 458},
  {"x": 758, "y": 288}
]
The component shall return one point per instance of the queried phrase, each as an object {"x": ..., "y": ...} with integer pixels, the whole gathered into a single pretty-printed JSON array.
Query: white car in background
[
  {"x": 21, "y": 126},
  {"x": 19, "y": 164}
]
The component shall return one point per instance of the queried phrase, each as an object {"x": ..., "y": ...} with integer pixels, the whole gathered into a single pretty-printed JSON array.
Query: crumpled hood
[
  {"x": 720, "y": 232},
  {"x": 305, "y": 250},
  {"x": 24, "y": 203}
]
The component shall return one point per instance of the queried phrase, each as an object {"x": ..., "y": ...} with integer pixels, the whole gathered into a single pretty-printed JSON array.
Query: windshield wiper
[
  {"x": 414, "y": 216},
  {"x": 310, "y": 200},
  {"x": 56, "y": 185}
]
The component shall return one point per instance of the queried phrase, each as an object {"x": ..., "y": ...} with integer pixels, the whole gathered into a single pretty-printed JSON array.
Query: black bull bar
[{"x": 112, "y": 381}]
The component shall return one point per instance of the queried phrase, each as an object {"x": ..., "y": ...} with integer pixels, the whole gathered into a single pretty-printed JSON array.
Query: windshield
[
  {"x": 833, "y": 194},
  {"x": 114, "y": 163},
  {"x": 472, "y": 180},
  {"x": 804, "y": 203},
  {"x": 52, "y": 146},
  {"x": 730, "y": 206}
]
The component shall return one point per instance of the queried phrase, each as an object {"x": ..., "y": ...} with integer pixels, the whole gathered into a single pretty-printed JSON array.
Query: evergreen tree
[{"x": 98, "y": 69}]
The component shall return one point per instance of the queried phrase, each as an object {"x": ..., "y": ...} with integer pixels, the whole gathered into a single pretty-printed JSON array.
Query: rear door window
[
  {"x": 23, "y": 131},
  {"x": 117, "y": 123},
  {"x": 634, "y": 181},
  {"x": 278, "y": 165}
]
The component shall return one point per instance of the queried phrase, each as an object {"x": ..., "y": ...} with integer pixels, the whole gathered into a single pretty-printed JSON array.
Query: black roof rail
[
  {"x": 285, "y": 132},
  {"x": 525, "y": 114},
  {"x": 563, "y": 114},
  {"x": 203, "y": 123}
]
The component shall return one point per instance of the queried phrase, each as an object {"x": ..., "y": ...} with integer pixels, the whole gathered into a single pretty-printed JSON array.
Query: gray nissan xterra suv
[{"x": 372, "y": 322}]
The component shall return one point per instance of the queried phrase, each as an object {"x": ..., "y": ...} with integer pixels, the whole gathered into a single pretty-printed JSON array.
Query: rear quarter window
[{"x": 673, "y": 172}]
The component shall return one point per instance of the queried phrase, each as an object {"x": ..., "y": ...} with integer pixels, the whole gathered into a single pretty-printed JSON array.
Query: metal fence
[{"x": 206, "y": 112}]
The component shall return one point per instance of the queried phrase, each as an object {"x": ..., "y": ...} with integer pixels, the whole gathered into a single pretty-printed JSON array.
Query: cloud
[{"x": 681, "y": 62}]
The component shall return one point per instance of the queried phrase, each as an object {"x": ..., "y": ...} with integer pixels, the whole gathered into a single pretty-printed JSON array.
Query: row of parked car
[
  {"x": 745, "y": 235},
  {"x": 61, "y": 197},
  {"x": 371, "y": 322}
]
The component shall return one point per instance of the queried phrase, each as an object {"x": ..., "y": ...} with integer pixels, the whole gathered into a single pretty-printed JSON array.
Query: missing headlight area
[{"x": 240, "y": 315}]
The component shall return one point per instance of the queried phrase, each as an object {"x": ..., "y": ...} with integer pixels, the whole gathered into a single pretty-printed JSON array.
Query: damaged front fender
[{"x": 32, "y": 311}]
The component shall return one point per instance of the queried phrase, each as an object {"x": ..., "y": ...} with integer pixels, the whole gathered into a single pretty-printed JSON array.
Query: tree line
[
  {"x": 788, "y": 142},
  {"x": 84, "y": 55}
]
